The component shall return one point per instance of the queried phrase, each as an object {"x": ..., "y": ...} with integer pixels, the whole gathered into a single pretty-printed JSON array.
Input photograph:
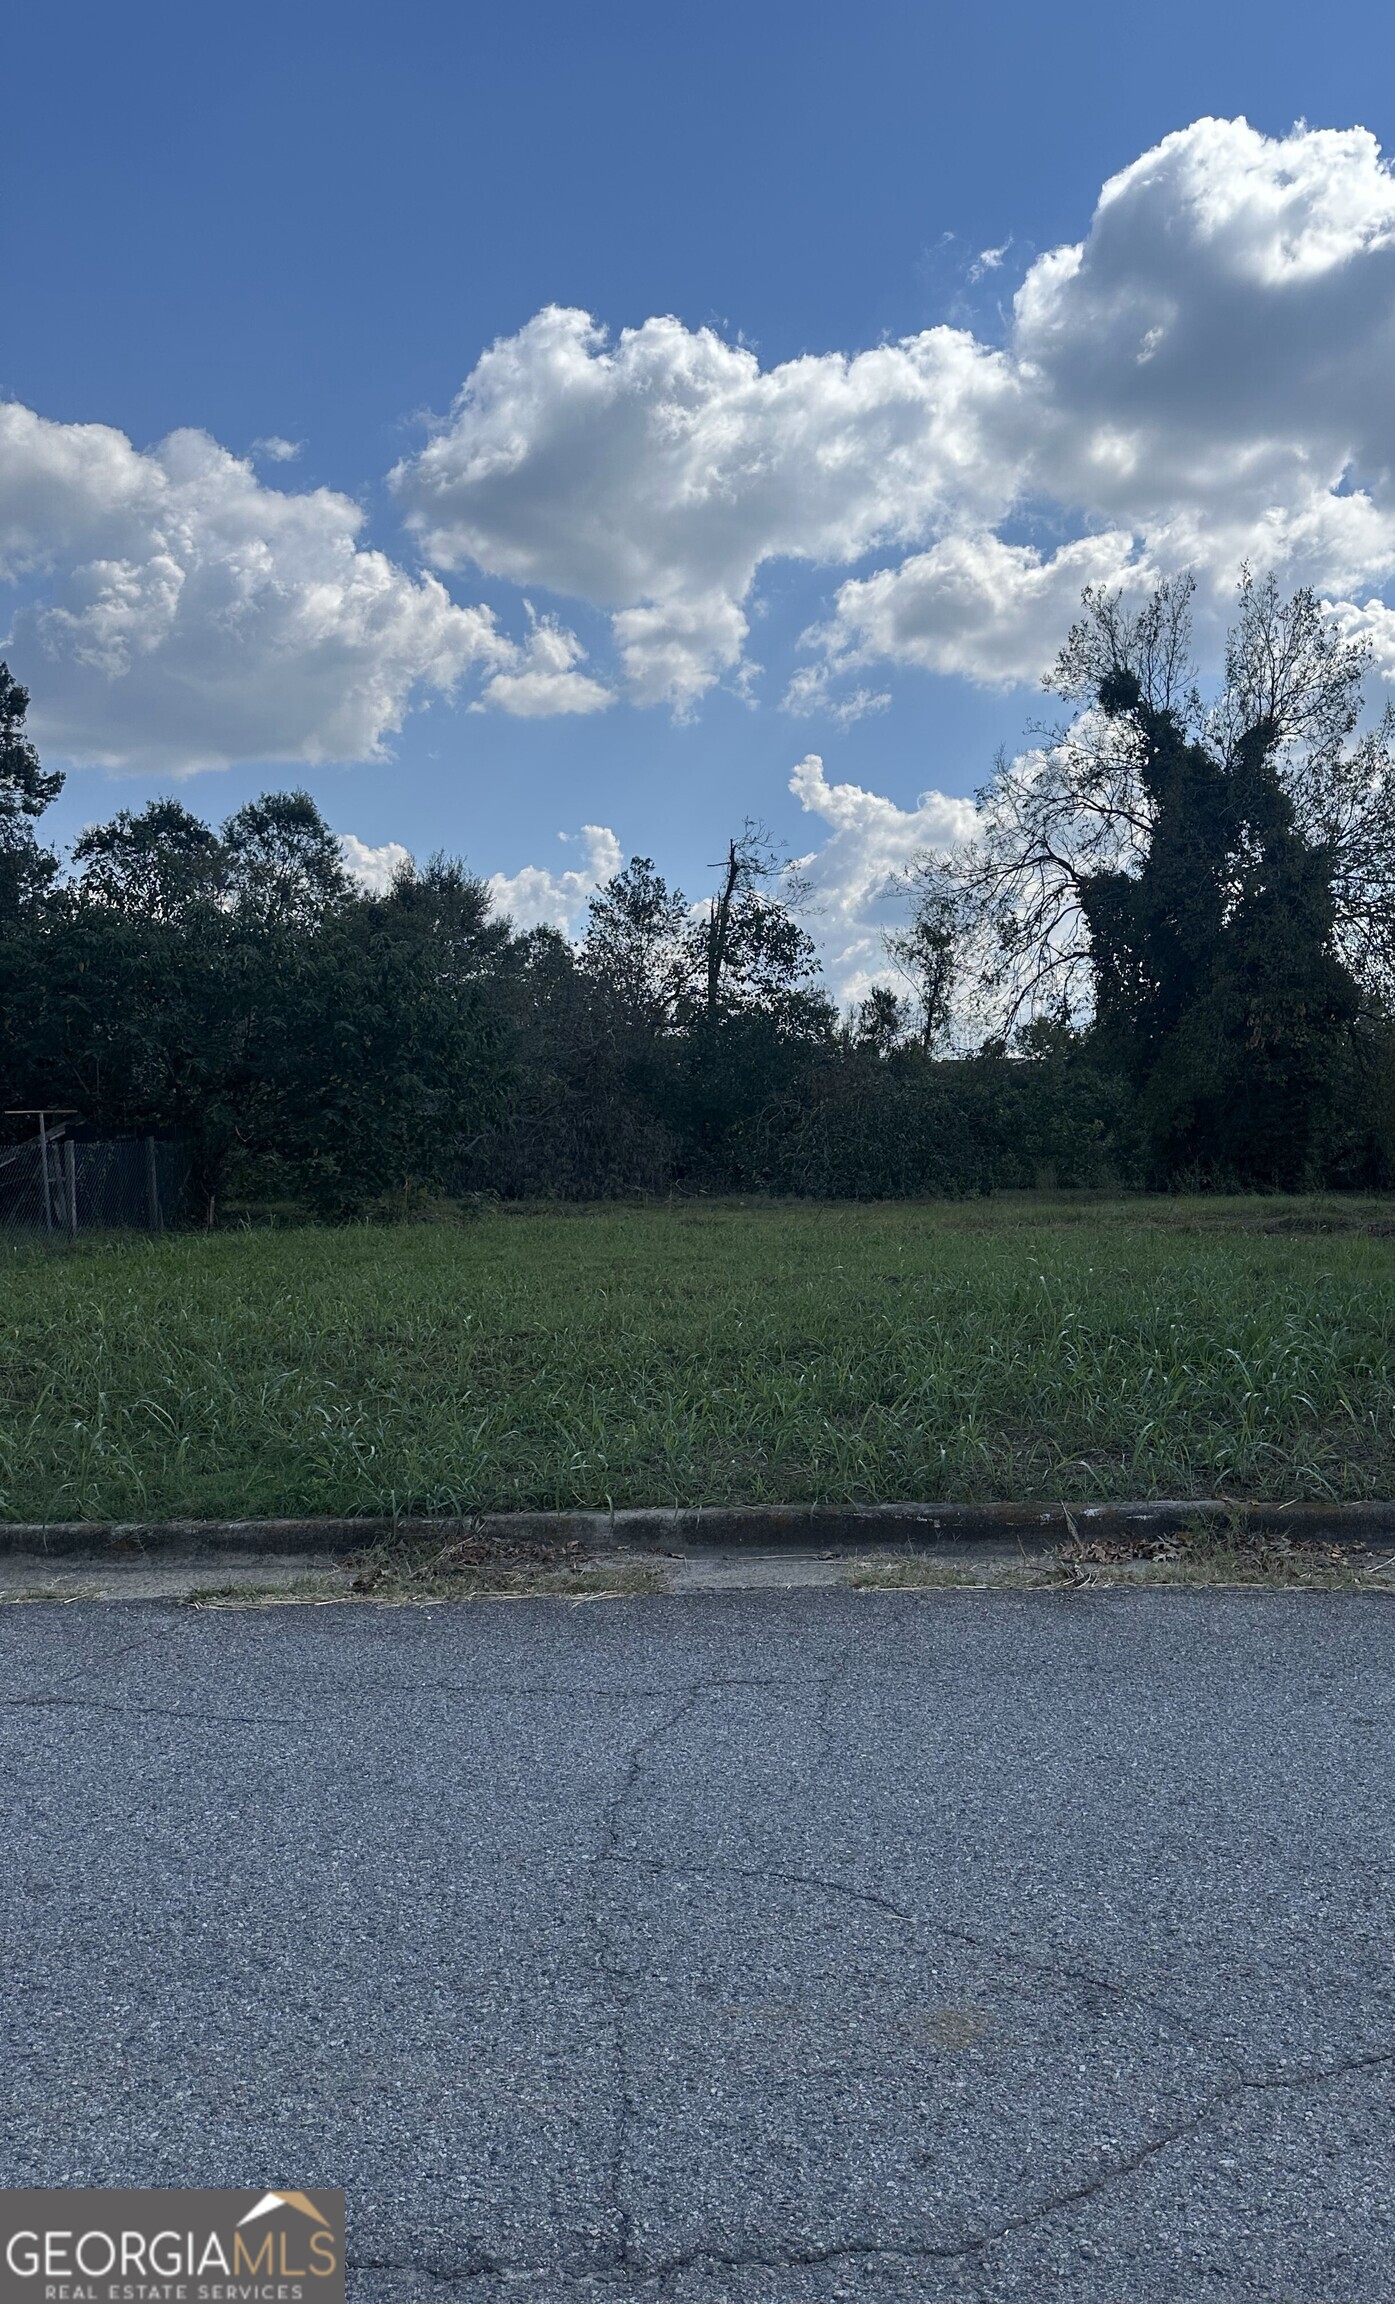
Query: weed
[{"x": 921, "y": 1572}]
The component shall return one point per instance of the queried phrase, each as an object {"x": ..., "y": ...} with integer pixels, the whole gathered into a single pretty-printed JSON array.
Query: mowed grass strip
[{"x": 702, "y": 1354}]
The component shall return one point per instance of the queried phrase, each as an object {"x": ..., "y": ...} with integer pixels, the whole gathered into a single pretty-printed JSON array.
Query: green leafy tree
[
  {"x": 26, "y": 788},
  {"x": 283, "y": 862},
  {"x": 880, "y": 1024},
  {"x": 590, "y": 1078},
  {"x": 381, "y": 1046},
  {"x": 156, "y": 865},
  {"x": 929, "y": 951},
  {"x": 310, "y": 1043},
  {"x": 747, "y": 955},
  {"x": 633, "y": 949}
]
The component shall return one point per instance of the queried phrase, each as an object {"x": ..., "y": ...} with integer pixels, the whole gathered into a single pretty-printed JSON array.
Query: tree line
[{"x": 1167, "y": 959}]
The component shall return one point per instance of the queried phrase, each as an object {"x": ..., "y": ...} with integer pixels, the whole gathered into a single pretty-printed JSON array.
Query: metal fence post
[
  {"x": 70, "y": 1181},
  {"x": 152, "y": 1187},
  {"x": 43, "y": 1171}
]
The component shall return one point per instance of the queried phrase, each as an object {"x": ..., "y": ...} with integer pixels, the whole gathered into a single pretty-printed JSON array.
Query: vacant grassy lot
[{"x": 1014, "y": 1348}]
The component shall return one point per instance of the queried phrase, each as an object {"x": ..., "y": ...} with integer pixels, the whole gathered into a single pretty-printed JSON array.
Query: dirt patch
[
  {"x": 396, "y": 1574},
  {"x": 1228, "y": 1553}
]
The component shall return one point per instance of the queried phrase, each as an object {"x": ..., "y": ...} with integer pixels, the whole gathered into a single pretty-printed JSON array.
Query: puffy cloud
[
  {"x": 1375, "y": 624},
  {"x": 672, "y": 652},
  {"x": 374, "y": 869},
  {"x": 673, "y": 464},
  {"x": 1201, "y": 380},
  {"x": 653, "y": 476},
  {"x": 180, "y": 614},
  {"x": 541, "y": 678},
  {"x": 537, "y": 898},
  {"x": 852, "y": 878},
  {"x": 972, "y": 604},
  {"x": 1207, "y": 369},
  {"x": 1226, "y": 328}
]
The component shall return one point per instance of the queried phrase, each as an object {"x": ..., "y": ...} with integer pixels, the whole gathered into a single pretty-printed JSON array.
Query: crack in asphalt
[
  {"x": 1010, "y": 1954},
  {"x": 624, "y": 2271},
  {"x": 631, "y": 2272},
  {"x": 621, "y": 1695},
  {"x": 56, "y": 1703},
  {"x": 53, "y": 1699},
  {"x": 1072, "y": 2197},
  {"x": 622, "y": 1982},
  {"x": 119, "y": 1655},
  {"x": 662, "y": 2271}
]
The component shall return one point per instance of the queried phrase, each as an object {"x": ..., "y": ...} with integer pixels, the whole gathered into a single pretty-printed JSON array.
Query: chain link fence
[{"x": 62, "y": 1183}]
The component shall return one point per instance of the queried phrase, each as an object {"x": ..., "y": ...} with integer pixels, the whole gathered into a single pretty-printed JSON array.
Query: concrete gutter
[{"x": 766, "y": 1528}]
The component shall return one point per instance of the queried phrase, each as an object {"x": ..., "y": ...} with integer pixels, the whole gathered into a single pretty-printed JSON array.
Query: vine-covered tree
[
  {"x": 1212, "y": 888},
  {"x": 1082, "y": 802},
  {"x": 1220, "y": 992}
]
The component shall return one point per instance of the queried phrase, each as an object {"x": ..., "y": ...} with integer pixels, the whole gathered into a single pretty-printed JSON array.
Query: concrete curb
[{"x": 770, "y": 1528}]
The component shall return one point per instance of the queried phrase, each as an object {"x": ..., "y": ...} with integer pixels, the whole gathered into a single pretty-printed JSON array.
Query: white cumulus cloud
[
  {"x": 972, "y": 604},
  {"x": 541, "y": 677},
  {"x": 372, "y": 869},
  {"x": 1201, "y": 380},
  {"x": 852, "y": 878},
  {"x": 653, "y": 476},
  {"x": 1224, "y": 331},
  {"x": 539, "y": 898},
  {"x": 177, "y": 613}
]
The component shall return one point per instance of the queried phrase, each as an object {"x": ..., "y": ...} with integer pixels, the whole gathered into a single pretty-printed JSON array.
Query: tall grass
[{"x": 701, "y": 1354}]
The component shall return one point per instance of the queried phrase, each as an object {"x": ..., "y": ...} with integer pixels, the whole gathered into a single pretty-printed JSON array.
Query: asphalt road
[{"x": 755, "y": 1947}]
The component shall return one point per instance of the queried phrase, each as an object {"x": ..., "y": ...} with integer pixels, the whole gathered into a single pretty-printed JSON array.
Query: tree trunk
[{"x": 719, "y": 931}]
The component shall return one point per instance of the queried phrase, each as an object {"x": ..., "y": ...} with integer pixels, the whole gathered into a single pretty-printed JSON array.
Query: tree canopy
[{"x": 1168, "y": 956}]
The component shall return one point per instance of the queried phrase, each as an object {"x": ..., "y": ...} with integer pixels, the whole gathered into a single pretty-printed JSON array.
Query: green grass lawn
[{"x": 708, "y": 1353}]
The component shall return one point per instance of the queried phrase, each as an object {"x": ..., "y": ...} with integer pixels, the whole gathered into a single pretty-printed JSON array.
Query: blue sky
[{"x": 306, "y": 225}]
